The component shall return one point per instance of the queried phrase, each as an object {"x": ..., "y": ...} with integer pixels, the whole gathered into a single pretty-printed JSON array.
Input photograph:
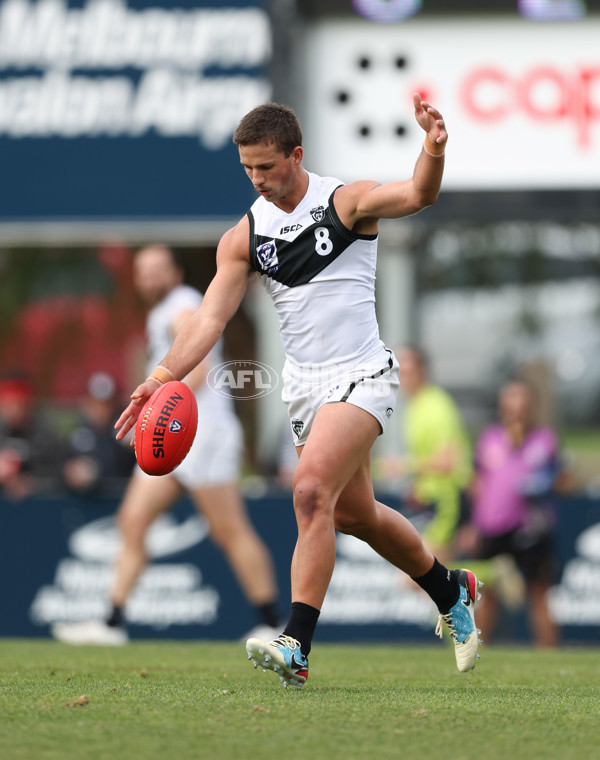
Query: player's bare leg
[
  {"x": 145, "y": 499},
  {"x": 388, "y": 532},
  {"x": 333, "y": 489},
  {"x": 333, "y": 473},
  {"x": 340, "y": 440},
  {"x": 234, "y": 534},
  {"x": 395, "y": 539}
]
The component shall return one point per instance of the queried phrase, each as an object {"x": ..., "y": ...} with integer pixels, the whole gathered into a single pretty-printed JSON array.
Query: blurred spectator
[
  {"x": 438, "y": 459},
  {"x": 30, "y": 451},
  {"x": 518, "y": 467},
  {"x": 96, "y": 459}
]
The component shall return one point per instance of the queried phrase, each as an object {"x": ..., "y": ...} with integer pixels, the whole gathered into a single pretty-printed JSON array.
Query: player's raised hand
[
  {"x": 139, "y": 397},
  {"x": 430, "y": 119}
]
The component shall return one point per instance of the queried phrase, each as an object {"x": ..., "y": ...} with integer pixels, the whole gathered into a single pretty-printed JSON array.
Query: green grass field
[{"x": 205, "y": 700}]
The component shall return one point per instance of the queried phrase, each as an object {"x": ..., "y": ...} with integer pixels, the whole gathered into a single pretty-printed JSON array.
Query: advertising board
[
  {"x": 521, "y": 100},
  {"x": 62, "y": 571},
  {"x": 125, "y": 109}
]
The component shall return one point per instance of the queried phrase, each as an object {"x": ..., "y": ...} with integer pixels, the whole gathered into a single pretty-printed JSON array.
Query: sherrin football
[{"x": 165, "y": 428}]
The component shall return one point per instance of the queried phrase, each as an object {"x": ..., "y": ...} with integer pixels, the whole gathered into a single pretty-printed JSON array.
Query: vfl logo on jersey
[
  {"x": 267, "y": 257},
  {"x": 175, "y": 426},
  {"x": 297, "y": 427},
  {"x": 318, "y": 213}
]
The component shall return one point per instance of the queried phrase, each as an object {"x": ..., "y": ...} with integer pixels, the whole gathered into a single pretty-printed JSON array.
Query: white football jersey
[{"x": 320, "y": 275}]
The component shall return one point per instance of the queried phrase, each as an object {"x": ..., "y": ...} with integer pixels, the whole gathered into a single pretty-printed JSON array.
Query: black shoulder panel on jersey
[
  {"x": 296, "y": 262},
  {"x": 250, "y": 216},
  {"x": 338, "y": 222}
]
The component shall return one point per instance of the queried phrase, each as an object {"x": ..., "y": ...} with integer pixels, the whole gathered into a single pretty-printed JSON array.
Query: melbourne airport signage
[{"x": 120, "y": 109}]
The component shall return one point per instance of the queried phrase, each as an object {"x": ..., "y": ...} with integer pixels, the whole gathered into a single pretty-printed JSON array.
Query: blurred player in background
[
  {"x": 313, "y": 240},
  {"x": 518, "y": 467},
  {"x": 209, "y": 473},
  {"x": 438, "y": 459}
]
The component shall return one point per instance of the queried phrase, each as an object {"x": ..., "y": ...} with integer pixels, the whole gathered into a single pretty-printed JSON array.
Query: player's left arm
[{"x": 361, "y": 204}]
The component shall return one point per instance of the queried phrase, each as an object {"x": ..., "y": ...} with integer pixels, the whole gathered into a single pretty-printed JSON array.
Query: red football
[{"x": 166, "y": 427}]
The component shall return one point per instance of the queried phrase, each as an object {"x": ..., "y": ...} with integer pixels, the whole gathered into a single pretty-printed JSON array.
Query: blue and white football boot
[
  {"x": 283, "y": 656},
  {"x": 460, "y": 620}
]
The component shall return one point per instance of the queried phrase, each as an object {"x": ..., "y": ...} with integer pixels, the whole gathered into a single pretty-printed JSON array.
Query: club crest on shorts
[
  {"x": 318, "y": 213},
  {"x": 297, "y": 427},
  {"x": 267, "y": 257}
]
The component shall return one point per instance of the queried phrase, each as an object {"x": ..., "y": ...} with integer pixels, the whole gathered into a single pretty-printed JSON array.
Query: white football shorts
[{"x": 371, "y": 384}]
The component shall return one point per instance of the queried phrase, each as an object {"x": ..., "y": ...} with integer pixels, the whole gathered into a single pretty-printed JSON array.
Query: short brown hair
[{"x": 270, "y": 123}]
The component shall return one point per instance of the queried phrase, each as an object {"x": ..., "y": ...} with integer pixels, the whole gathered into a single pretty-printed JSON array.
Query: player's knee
[{"x": 311, "y": 496}]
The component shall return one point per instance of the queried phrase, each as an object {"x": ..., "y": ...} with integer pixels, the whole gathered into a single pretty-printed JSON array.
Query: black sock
[
  {"x": 116, "y": 619},
  {"x": 441, "y": 585},
  {"x": 268, "y": 614},
  {"x": 301, "y": 625}
]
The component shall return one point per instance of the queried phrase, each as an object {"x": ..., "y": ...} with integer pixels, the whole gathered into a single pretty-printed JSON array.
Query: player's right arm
[
  {"x": 204, "y": 327},
  {"x": 361, "y": 204}
]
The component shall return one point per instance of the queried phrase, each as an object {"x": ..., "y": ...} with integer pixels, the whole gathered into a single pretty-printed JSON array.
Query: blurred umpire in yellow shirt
[{"x": 439, "y": 458}]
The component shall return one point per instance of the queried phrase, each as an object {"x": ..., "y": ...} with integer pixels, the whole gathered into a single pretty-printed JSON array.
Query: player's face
[
  {"x": 155, "y": 274},
  {"x": 272, "y": 173}
]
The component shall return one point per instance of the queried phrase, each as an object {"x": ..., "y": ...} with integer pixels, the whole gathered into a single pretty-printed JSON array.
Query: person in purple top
[{"x": 518, "y": 467}]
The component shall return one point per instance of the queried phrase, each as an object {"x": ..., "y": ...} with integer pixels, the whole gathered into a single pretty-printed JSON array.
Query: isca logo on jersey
[{"x": 242, "y": 379}]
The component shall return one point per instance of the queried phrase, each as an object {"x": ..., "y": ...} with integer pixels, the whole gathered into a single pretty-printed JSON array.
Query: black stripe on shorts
[{"x": 379, "y": 372}]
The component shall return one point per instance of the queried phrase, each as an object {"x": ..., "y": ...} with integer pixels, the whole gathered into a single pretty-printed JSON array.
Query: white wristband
[{"x": 433, "y": 149}]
